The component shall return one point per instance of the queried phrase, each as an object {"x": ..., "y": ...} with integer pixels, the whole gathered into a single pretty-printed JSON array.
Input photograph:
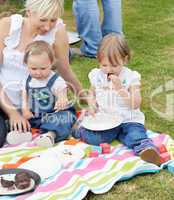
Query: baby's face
[
  {"x": 39, "y": 66},
  {"x": 108, "y": 68}
]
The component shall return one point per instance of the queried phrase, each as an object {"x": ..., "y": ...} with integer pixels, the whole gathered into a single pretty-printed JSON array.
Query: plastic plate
[
  {"x": 9, "y": 174},
  {"x": 101, "y": 121}
]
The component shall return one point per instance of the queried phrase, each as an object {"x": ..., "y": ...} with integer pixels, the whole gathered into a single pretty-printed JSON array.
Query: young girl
[
  {"x": 45, "y": 102},
  {"x": 114, "y": 80}
]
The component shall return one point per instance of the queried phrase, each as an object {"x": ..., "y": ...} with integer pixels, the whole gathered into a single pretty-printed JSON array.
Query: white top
[
  {"x": 13, "y": 71},
  {"x": 58, "y": 85},
  {"x": 108, "y": 99}
]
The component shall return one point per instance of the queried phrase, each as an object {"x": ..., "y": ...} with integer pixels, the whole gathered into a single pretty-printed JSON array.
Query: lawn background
[{"x": 149, "y": 29}]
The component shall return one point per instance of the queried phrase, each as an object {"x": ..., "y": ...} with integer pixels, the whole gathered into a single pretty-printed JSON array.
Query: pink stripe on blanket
[
  {"x": 159, "y": 139},
  {"x": 124, "y": 156},
  {"x": 95, "y": 165}
]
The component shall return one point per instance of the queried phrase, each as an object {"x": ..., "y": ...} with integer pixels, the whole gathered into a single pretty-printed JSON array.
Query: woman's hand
[
  {"x": 18, "y": 122},
  {"x": 27, "y": 114}
]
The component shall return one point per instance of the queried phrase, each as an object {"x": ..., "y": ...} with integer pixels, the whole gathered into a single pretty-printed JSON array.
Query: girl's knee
[{"x": 90, "y": 137}]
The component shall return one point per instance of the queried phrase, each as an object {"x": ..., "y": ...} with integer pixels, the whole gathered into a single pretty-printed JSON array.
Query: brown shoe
[
  {"x": 77, "y": 52},
  {"x": 150, "y": 155}
]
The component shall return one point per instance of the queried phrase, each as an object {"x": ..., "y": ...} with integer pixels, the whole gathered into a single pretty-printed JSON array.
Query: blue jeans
[
  {"x": 130, "y": 134},
  {"x": 88, "y": 22},
  {"x": 59, "y": 122}
]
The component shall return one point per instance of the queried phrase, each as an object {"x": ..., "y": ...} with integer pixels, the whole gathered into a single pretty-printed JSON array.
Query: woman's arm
[
  {"x": 4, "y": 27},
  {"x": 17, "y": 121},
  {"x": 61, "y": 48}
]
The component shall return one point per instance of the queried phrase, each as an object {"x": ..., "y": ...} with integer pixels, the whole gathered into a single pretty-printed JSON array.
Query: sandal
[{"x": 45, "y": 140}]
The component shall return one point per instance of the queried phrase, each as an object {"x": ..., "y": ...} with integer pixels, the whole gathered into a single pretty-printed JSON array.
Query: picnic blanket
[{"x": 97, "y": 174}]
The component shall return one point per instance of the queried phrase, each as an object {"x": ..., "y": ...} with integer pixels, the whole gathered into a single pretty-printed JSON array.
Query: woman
[{"x": 42, "y": 22}]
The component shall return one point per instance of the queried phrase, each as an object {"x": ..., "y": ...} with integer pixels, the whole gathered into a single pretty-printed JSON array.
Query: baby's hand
[
  {"x": 61, "y": 104},
  {"x": 91, "y": 111},
  {"x": 117, "y": 85},
  {"x": 27, "y": 114}
]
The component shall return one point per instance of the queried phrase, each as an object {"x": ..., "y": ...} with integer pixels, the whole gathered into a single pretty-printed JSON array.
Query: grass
[{"x": 149, "y": 29}]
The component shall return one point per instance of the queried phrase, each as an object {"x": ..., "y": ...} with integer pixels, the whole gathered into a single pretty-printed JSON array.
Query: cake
[
  {"x": 22, "y": 180},
  {"x": 6, "y": 183}
]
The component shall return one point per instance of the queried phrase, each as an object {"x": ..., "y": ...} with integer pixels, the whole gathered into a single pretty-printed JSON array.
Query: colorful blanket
[{"x": 97, "y": 174}]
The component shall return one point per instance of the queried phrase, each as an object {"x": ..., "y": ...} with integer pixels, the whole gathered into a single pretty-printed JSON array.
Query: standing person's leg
[
  {"x": 88, "y": 25},
  {"x": 134, "y": 136},
  {"x": 3, "y": 128},
  {"x": 112, "y": 21}
]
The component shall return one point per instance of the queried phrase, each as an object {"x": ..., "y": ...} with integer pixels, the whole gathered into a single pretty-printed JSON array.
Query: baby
[{"x": 45, "y": 102}]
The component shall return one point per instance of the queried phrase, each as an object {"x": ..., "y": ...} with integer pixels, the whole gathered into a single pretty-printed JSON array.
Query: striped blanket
[{"x": 97, "y": 174}]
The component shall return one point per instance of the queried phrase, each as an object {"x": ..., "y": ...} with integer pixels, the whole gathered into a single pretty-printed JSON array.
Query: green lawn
[{"x": 149, "y": 28}]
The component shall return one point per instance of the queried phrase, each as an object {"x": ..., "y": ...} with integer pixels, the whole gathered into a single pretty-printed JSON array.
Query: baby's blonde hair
[
  {"x": 115, "y": 48},
  {"x": 46, "y": 8},
  {"x": 37, "y": 48}
]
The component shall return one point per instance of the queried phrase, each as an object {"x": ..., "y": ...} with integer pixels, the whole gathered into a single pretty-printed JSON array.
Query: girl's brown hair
[
  {"x": 37, "y": 48},
  {"x": 115, "y": 48}
]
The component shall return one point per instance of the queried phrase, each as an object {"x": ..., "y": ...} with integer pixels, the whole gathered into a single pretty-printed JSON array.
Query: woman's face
[{"x": 42, "y": 24}]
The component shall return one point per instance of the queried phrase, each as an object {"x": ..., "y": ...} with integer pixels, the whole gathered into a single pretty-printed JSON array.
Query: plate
[
  {"x": 73, "y": 37},
  {"x": 44, "y": 165},
  {"x": 9, "y": 174},
  {"x": 67, "y": 153},
  {"x": 101, "y": 121}
]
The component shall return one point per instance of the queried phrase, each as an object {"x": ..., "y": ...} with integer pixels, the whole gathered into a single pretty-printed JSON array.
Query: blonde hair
[
  {"x": 37, "y": 48},
  {"x": 46, "y": 8},
  {"x": 115, "y": 48}
]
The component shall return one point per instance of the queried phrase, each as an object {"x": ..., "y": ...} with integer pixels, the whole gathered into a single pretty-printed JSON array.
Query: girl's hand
[
  {"x": 117, "y": 85},
  {"x": 92, "y": 107},
  {"x": 61, "y": 104},
  {"x": 91, "y": 100},
  {"x": 91, "y": 111},
  {"x": 27, "y": 114},
  {"x": 18, "y": 122}
]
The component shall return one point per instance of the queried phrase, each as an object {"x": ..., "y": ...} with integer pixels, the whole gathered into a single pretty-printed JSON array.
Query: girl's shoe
[
  {"x": 45, "y": 140},
  {"x": 150, "y": 155},
  {"x": 15, "y": 137}
]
